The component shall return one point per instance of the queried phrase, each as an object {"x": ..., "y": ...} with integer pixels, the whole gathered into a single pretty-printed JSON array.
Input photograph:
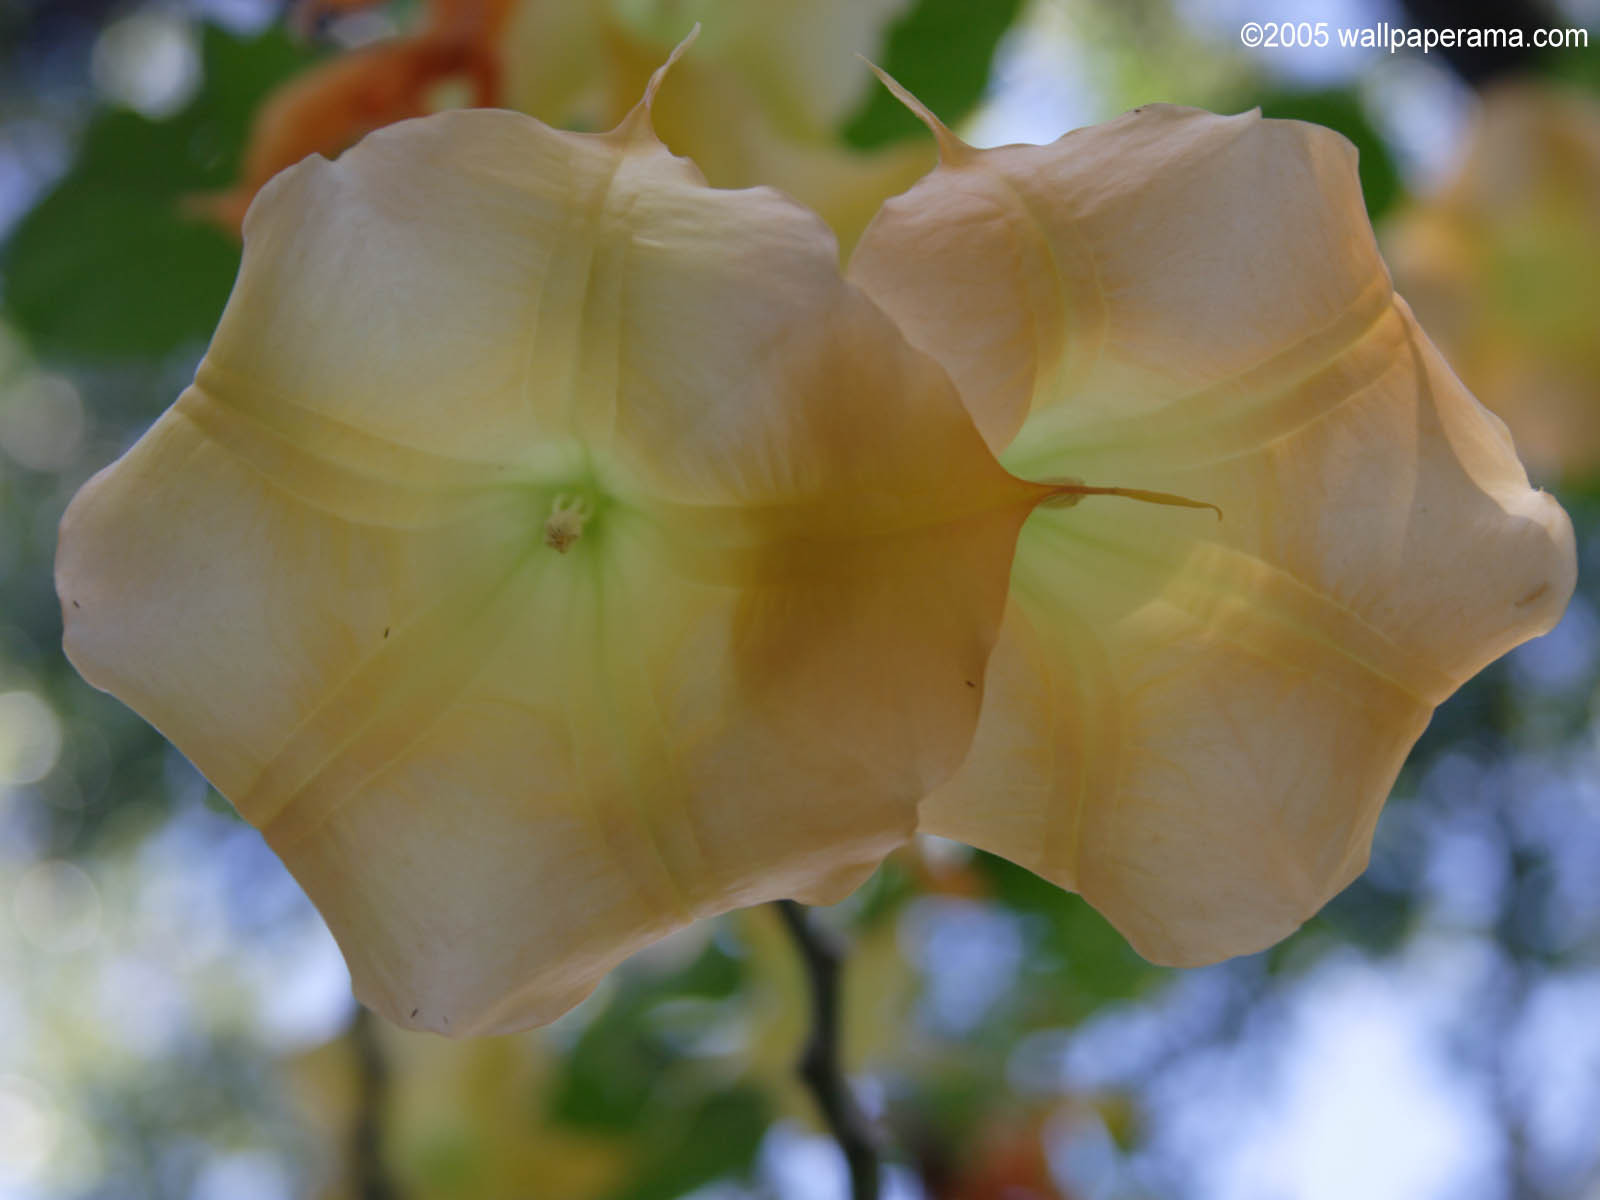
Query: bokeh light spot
[
  {"x": 30, "y": 738},
  {"x": 148, "y": 61},
  {"x": 57, "y": 907},
  {"x": 29, "y": 1129},
  {"x": 42, "y": 422}
]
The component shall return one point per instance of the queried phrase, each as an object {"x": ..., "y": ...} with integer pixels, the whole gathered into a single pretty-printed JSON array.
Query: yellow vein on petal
[
  {"x": 1096, "y": 766},
  {"x": 626, "y": 690},
  {"x": 1242, "y": 414},
  {"x": 1086, "y": 333},
  {"x": 328, "y": 485},
  {"x": 1239, "y": 595},
  {"x": 352, "y": 447},
  {"x": 380, "y": 711},
  {"x": 576, "y": 326},
  {"x": 1245, "y": 599}
]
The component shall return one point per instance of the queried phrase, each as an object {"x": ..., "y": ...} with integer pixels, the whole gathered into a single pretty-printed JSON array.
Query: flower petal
[
  {"x": 338, "y": 102},
  {"x": 551, "y": 551},
  {"x": 1089, "y": 269},
  {"x": 1194, "y": 722}
]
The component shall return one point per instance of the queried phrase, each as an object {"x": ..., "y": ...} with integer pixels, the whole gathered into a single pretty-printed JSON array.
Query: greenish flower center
[
  {"x": 568, "y": 515},
  {"x": 574, "y": 491}
]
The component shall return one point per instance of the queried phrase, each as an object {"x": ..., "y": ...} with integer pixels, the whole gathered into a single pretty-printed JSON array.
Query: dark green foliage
[
  {"x": 717, "y": 1139},
  {"x": 635, "y": 1074},
  {"x": 108, "y": 265},
  {"x": 614, "y": 1073},
  {"x": 941, "y": 51}
]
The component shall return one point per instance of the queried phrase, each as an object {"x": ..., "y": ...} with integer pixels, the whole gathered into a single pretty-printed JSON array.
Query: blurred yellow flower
[
  {"x": 551, "y": 550},
  {"x": 460, "y": 1122},
  {"x": 1194, "y": 723},
  {"x": 1501, "y": 265},
  {"x": 759, "y": 103}
]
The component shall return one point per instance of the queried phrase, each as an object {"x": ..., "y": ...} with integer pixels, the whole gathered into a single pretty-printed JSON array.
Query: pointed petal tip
[
  {"x": 952, "y": 149},
  {"x": 637, "y": 125},
  {"x": 1544, "y": 604}
]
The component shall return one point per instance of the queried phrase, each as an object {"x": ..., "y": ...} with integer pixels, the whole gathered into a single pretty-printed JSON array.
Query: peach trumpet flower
[
  {"x": 1195, "y": 723},
  {"x": 552, "y": 550}
]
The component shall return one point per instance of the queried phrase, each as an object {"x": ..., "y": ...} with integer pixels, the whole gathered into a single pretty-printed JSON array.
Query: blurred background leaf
[
  {"x": 109, "y": 264},
  {"x": 941, "y": 51}
]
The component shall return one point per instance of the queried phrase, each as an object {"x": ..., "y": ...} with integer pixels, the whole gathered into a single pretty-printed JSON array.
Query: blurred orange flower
[{"x": 758, "y": 104}]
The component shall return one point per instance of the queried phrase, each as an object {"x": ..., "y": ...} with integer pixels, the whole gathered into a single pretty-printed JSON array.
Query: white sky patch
[
  {"x": 1555, "y": 1068},
  {"x": 1563, "y": 659},
  {"x": 1358, "y": 1098},
  {"x": 968, "y": 954},
  {"x": 302, "y": 986},
  {"x": 33, "y": 155},
  {"x": 1423, "y": 112},
  {"x": 803, "y": 1166},
  {"x": 243, "y": 1176},
  {"x": 1467, "y": 871},
  {"x": 1040, "y": 85},
  {"x": 240, "y": 16},
  {"x": 1313, "y": 66}
]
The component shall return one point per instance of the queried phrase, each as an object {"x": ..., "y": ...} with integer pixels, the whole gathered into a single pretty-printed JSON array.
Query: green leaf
[
  {"x": 941, "y": 51},
  {"x": 1089, "y": 962},
  {"x": 108, "y": 266},
  {"x": 1576, "y": 66},
  {"x": 719, "y": 1140},
  {"x": 615, "y": 1071}
]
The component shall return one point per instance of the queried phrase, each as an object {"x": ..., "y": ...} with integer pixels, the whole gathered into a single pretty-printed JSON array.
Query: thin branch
[
  {"x": 819, "y": 1064},
  {"x": 372, "y": 1179}
]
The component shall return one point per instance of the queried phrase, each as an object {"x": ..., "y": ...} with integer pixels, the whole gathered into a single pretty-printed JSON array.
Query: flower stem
[
  {"x": 819, "y": 1064},
  {"x": 372, "y": 1181}
]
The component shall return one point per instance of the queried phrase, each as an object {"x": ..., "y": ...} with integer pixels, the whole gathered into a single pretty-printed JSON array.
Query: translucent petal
[
  {"x": 1166, "y": 253},
  {"x": 552, "y": 550},
  {"x": 1195, "y": 722}
]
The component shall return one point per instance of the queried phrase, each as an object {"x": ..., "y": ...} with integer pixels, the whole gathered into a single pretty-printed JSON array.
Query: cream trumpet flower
[
  {"x": 551, "y": 550},
  {"x": 1194, "y": 722}
]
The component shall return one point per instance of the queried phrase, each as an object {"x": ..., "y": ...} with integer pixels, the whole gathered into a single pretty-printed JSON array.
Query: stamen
[
  {"x": 1070, "y": 491},
  {"x": 565, "y": 523}
]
